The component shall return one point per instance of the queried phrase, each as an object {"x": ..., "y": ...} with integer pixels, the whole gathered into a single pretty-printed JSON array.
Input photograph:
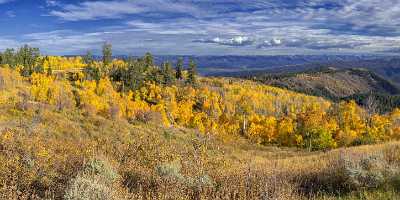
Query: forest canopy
[{"x": 135, "y": 89}]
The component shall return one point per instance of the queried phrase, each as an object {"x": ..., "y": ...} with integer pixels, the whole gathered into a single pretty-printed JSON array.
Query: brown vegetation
[{"x": 197, "y": 139}]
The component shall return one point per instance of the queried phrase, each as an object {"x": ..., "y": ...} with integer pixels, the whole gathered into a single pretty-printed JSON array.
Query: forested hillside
[
  {"x": 365, "y": 87},
  {"x": 70, "y": 125},
  {"x": 137, "y": 90},
  {"x": 387, "y": 67},
  {"x": 236, "y": 64}
]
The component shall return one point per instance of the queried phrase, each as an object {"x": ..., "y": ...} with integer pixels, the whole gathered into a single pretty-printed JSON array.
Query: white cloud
[
  {"x": 94, "y": 10},
  {"x": 175, "y": 27},
  {"x": 8, "y": 43},
  {"x": 349, "y": 43},
  {"x": 310, "y": 25},
  {"x": 235, "y": 41},
  {"x": 65, "y": 41},
  {"x": 272, "y": 42},
  {"x": 52, "y": 3}
]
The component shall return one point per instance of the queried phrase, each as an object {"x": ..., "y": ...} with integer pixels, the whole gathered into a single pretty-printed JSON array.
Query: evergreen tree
[
  {"x": 27, "y": 57},
  {"x": 8, "y": 58},
  {"x": 192, "y": 72},
  {"x": 168, "y": 73},
  {"x": 179, "y": 69},
  {"x": 107, "y": 54},
  {"x": 134, "y": 77},
  {"x": 88, "y": 58},
  {"x": 148, "y": 60},
  {"x": 92, "y": 73},
  {"x": 1, "y": 59}
]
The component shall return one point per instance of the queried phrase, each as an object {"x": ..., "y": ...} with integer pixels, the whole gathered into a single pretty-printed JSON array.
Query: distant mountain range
[
  {"x": 386, "y": 66},
  {"x": 249, "y": 62},
  {"x": 212, "y": 65},
  {"x": 232, "y": 65}
]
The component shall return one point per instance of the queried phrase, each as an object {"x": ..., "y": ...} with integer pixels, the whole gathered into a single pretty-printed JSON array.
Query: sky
[{"x": 203, "y": 27}]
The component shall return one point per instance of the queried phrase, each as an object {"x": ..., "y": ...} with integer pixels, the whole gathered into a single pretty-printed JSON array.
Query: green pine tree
[
  {"x": 179, "y": 69},
  {"x": 192, "y": 73},
  {"x": 8, "y": 57},
  {"x": 148, "y": 60},
  {"x": 27, "y": 57},
  {"x": 88, "y": 58},
  {"x": 107, "y": 54},
  {"x": 168, "y": 73}
]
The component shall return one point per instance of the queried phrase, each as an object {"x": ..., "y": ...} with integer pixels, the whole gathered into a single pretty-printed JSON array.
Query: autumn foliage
[
  {"x": 133, "y": 130},
  {"x": 224, "y": 107}
]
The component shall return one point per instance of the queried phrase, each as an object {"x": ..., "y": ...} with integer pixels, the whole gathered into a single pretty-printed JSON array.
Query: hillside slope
[
  {"x": 48, "y": 153},
  {"x": 385, "y": 66},
  {"x": 337, "y": 84},
  {"x": 331, "y": 82}
]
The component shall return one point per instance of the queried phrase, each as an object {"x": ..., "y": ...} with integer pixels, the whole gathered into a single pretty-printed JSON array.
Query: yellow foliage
[
  {"x": 351, "y": 122},
  {"x": 132, "y": 105},
  {"x": 62, "y": 63},
  {"x": 217, "y": 106},
  {"x": 395, "y": 123},
  {"x": 41, "y": 87},
  {"x": 9, "y": 80},
  {"x": 286, "y": 132},
  {"x": 262, "y": 128},
  {"x": 46, "y": 89},
  {"x": 89, "y": 98},
  {"x": 379, "y": 130}
]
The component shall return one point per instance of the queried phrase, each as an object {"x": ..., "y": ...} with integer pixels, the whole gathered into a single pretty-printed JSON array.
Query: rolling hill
[
  {"x": 337, "y": 84},
  {"x": 236, "y": 66}
]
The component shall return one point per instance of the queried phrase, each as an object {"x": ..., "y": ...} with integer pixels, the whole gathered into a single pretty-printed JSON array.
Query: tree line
[{"x": 132, "y": 73}]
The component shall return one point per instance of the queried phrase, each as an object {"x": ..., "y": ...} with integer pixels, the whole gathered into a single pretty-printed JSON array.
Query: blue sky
[{"x": 203, "y": 27}]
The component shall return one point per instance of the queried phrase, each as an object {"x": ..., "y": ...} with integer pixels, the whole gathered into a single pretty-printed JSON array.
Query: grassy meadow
[{"x": 68, "y": 155}]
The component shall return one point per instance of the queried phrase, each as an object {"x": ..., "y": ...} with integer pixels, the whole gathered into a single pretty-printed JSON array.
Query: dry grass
[{"x": 69, "y": 155}]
